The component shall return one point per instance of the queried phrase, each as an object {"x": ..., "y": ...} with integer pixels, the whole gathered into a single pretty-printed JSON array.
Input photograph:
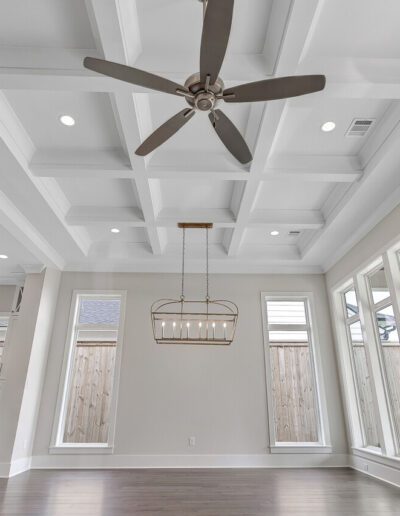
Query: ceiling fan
[{"x": 203, "y": 91}]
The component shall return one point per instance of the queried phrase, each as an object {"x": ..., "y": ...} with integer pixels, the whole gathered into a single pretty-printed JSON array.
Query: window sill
[
  {"x": 377, "y": 456},
  {"x": 84, "y": 449},
  {"x": 300, "y": 448}
]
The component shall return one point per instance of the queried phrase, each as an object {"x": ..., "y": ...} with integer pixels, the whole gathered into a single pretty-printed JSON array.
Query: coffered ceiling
[{"x": 62, "y": 189}]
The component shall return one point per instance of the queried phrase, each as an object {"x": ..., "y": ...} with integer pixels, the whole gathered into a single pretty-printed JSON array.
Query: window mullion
[
  {"x": 392, "y": 268},
  {"x": 368, "y": 327}
]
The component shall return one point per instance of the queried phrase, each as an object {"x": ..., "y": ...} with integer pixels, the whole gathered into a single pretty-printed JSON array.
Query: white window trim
[
  {"x": 323, "y": 445},
  {"x": 389, "y": 256},
  {"x": 3, "y": 360},
  {"x": 56, "y": 444},
  {"x": 348, "y": 321}
]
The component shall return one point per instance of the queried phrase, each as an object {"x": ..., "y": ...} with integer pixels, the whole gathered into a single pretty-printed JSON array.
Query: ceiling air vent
[
  {"x": 294, "y": 233},
  {"x": 360, "y": 126}
]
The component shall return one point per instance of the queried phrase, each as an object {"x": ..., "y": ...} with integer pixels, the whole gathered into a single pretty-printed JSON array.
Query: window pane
[
  {"x": 378, "y": 285},
  {"x": 288, "y": 336},
  {"x": 363, "y": 386},
  {"x": 387, "y": 326},
  {"x": 390, "y": 348},
  {"x": 286, "y": 312},
  {"x": 294, "y": 399},
  {"x": 356, "y": 333},
  {"x": 292, "y": 374},
  {"x": 92, "y": 370},
  {"x": 351, "y": 303},
  {"x": 99, "y": 311}
]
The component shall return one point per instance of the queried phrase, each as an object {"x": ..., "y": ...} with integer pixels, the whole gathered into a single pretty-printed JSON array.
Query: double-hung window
[
  {"x": 291, "y": 376},
  {"x": 91, "y": 368}
]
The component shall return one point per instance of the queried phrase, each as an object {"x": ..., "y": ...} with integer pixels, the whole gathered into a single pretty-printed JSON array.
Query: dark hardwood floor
[{"x": 256, "y": 492}]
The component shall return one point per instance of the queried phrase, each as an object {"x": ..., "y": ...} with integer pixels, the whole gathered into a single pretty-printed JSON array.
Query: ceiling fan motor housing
[{"x": 203, "y": 100}]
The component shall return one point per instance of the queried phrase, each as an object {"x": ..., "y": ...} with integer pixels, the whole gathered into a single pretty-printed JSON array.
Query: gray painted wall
[
  {"x": 169, "y": 393},
  {"x": 6, "y": 297}
]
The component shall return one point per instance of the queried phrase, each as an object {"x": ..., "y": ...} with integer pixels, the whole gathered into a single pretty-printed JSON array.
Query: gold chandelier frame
[{"x": 194, "y": 322}]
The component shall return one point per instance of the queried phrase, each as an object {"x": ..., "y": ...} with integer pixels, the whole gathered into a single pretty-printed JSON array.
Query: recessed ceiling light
[
  {"x": 274, "y": 233},
  {"x": 67, "y": 120},
  {"x": 115, "y": 230},
  {"x": 3, "y": 256},
  {"x": 327, "y": 127}
]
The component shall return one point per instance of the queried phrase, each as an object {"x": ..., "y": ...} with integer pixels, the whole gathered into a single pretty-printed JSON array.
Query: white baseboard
[
  {"x": 188, "y": 461},
  {"x": 373, "y": 468},
  {"x": 10, "y": 469}
]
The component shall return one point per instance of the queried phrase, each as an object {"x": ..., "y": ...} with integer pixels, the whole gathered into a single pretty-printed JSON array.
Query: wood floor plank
[{"x": 240, "y": 492}]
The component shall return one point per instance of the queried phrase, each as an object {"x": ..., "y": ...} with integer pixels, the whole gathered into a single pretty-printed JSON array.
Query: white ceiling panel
[
  {"x": 196, "y": 194},
  {"x": 45, "y": 24},
  {"x": 39, "y": 112},
  {"x": 301, "y": 129},
  {"x": 195, "y": 237},
  {"x": 102, "y": 233},
  {"x": 102, "y": 192},
  {"x": 17, "y": 254},
  {"x": 263, "y": 236},
  {"x": 175, "y": 26},
  {"x": 357, "y": 28},
  {"x": 287, "y": 195}
]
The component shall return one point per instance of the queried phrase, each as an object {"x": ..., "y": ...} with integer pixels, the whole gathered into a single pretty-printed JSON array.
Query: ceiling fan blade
[
  {"x": 133, "y": 75},
  {"x": 273, "y": 89},
  {"x": 165, "y": 131},
  {"x": 230, "y": 136},
  {"x": 215, "y": 37}
]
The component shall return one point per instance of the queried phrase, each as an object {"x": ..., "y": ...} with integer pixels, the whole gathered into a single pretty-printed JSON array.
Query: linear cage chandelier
[{"x": 204, "y": 321}]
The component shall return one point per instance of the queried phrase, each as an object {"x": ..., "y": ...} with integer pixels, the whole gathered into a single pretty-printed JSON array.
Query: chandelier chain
[
  {"x": 183, "y": 264},
  {"x": 207, "y": 276}
]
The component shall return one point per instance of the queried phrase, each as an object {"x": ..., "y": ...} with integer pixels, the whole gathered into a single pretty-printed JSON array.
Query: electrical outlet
[
  {"x": 192, "y": 441},
  {"x": 366, "y": 467}
]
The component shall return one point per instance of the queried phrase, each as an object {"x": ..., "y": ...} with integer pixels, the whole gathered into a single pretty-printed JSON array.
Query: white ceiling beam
[
  {"x": 115, "y": 21},
  {"x": 381, "y": 158},
  {"x": 332, "y": 169},
  {"x": 110, "y": 216},
  {"x": 20, "y": 145},
  {"x": 87, "y": 171},
  {"x": 133, "y": 217},
  {"x": 340, "y": 169},
  {"x": 298, "y": 33},
  {"x": 95, "y": 171},
  {"x": 219, "y": 175},
  {"x": 62, "y": 69},
  {"x": 27, "y": 235},
  {"x": 85, "y": 81}
]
